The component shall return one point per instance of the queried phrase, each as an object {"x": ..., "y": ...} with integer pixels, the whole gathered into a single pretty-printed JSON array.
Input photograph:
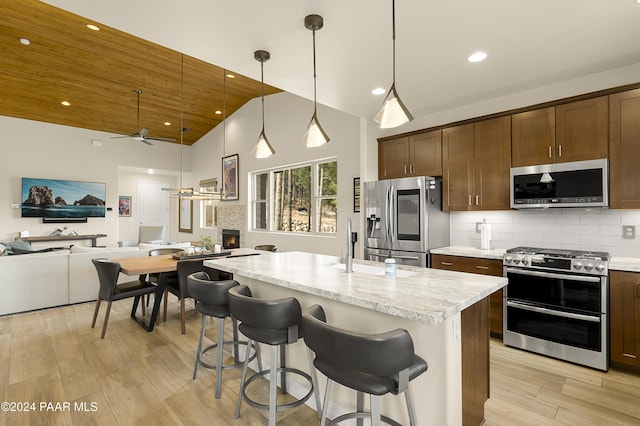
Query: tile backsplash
[{"x": 597, "y": 229}]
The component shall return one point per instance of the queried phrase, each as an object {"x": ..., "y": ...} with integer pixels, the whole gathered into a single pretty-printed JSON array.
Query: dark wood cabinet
[
  {"x": 415, "y": 155},
  {"x": 474, "y": 346},
  {"x": 582, "y": 130},
  {"x": 625, "y": 319},
  {"x": 481, "y": 266},
  {"x": 569, "y": 132},
  {"x": 624, "y": 140},
  {"x": 533, "y": 137},
  {"x": 476, "y": 160}
]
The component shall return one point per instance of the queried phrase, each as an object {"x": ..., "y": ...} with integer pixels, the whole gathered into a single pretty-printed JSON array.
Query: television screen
[{"x": 52, "y": 198}]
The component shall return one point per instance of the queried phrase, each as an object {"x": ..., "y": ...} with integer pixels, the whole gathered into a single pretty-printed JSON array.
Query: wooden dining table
[{"x": 164, "y": 265}]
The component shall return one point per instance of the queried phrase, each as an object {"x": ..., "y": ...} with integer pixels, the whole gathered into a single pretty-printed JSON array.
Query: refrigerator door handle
[{"x": 392, "y": 218}]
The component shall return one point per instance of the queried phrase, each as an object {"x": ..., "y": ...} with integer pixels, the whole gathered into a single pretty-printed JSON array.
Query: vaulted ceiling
[{"x": 98, "y": 73}]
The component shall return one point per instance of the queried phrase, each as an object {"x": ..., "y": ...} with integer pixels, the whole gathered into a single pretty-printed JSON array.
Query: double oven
[{"x": 557, "y": 303}]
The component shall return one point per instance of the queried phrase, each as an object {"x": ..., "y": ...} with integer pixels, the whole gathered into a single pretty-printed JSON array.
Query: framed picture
[
  {"x": 356, "y": 195},
  {"x": 230, "y": 177},
  {"x": 124, "y": 206},
  {"x": 185, "y": 215}
]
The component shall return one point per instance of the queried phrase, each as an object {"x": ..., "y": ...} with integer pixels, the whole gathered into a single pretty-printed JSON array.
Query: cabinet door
[
  {"x": 492, "y": 164},
  {"x": 425, "y": 154},
  {"x": 457, "y": 168},
  {"x": 625, "y": 318},
  {"x": 533, "y": 137},
  {"x": 393, "y": 158},
  {"x": 624, "y": 114},
  {"x": 582, "y": 130}
]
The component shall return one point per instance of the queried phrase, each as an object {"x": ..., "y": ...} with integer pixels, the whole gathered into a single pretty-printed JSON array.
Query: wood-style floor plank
[{"x": 137, "y": 378}]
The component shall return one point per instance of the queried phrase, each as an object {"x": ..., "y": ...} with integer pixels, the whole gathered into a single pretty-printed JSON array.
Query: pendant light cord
[
  {"x": 224, "y": 112},
  {"x": 181, "y": 114},
  {"x": 393, "y": 27},
  {"x": 262, "y": 91},
  {"x": 315, "y": 101}
]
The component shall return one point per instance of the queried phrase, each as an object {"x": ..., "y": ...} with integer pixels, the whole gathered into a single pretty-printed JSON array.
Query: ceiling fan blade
[
  {"x": 120, "y": 137},
  {"x": 143, "y": 133},
  {"x": 161, "y": 139},
  {"x": 144, "y": 140}
]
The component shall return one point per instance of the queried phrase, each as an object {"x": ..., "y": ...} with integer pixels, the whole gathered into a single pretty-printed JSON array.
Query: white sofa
[{"x": 61, "y": 277}]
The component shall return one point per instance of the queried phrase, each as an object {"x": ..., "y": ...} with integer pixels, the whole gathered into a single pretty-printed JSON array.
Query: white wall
[
  {"x": 42, "y": 150},
  {"x": 286, "y": 119}
]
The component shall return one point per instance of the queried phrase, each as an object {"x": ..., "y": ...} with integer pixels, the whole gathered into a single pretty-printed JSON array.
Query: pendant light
[
  {"x": 315, "y": 134},
  {"x": 393, "y": 112},
  {"x": 263, "y": 148}
]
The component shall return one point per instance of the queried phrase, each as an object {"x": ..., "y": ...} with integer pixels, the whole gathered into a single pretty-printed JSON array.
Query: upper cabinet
[
  {"x": 476, "y": 160},
  {"x": 416, "y": 155},
  {"x": 569, "y": 132},
  {"x": 624, "y": 111}
]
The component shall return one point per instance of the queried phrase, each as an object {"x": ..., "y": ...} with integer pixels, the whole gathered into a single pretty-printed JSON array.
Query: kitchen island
[{"x": 431, "y": 304}]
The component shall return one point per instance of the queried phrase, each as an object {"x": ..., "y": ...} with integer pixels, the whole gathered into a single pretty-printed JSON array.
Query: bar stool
[
  {"x": 212, "y": 300},
  {"x": 275, "y": 323},
  {"x": 374, "y": 364}
]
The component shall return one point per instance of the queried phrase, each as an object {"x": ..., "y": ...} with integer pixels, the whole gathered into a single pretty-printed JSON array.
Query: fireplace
[{"x": 230, "y": 238}]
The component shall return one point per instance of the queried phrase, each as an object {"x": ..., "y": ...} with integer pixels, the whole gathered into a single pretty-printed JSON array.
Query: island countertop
[{"x": 421, "y": 294}]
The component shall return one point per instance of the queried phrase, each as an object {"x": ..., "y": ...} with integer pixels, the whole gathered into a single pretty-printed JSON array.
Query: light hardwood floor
[{"x": 135, "y": 377}]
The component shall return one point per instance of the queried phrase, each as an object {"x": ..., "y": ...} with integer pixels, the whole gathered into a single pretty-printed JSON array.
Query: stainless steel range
[{"x": 556, "y": 304}]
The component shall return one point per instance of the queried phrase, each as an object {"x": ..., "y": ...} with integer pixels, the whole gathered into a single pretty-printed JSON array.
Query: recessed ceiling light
[
  {"x": 378, "y": 91},
  {"x": 167, "y": 123},
  {"x": 66, "y": 103},
  {"x": 93, "y": 27},
  {"x": 217, "y": 112},
  {"x": 477, "y": 57},
  {"x": 25, "y": 41},
  {"x": 231, "y": 76}
]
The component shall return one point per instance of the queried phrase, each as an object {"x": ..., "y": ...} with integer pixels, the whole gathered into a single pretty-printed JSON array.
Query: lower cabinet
[
  {"x": 625, "y": 319},
  {"x": 481, "y": 266}
]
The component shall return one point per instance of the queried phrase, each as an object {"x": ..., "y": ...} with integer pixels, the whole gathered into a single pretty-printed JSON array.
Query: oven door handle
[
  {"x": 537, "y": 309},
  {"x": 552, "y": 275}
]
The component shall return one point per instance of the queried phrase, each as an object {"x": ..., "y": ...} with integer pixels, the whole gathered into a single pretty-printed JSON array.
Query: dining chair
[
  {"x": 179, "y": 288},
  {"x": 155, "y": 277},
  {"x": 110, "y": 290}
]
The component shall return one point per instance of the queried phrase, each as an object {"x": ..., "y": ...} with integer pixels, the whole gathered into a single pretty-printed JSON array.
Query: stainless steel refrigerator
[{"x": 404, "y": 219}]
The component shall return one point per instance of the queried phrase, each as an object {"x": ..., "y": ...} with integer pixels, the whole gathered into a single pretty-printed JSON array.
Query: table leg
[{"x": 157, "y": 299}]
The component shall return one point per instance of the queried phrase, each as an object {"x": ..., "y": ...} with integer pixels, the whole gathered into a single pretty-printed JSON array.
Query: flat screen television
[{"x": 53, "y": 198}]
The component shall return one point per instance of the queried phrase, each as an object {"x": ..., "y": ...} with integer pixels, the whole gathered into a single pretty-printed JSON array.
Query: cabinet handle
[
  {"x": 559, "y": 150},
  {"x": 446, "y": 263},
  {"x": 470, "y": 202},
  {"x": 405, "y": 169},
  {"x": 411, "y": 168},
  {"x": 481, "y": 267},
  {"x": 549, "y": 151},
  {"x": 477, "y": 200}
]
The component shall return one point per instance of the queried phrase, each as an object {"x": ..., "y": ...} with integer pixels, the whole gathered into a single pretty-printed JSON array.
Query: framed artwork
[
  {"x": 185, "y": 215},
  {"x": 124, "y": 206},
  {"x": 230, "y": 177},
  {"x": 356, "y": 195}
]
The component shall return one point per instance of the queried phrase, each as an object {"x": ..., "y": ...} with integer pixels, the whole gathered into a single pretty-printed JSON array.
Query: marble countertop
[
  {"x": 628, "y": 264},
  {"x": 422, "y": 294},
  {"x": 469, "y": 252}
]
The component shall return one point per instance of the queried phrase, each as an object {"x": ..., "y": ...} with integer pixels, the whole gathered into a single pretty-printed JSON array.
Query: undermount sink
[{"x": 374, "y": 270}]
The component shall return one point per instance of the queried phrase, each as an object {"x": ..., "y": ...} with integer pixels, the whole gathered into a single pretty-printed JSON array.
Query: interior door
[{"x": 153, "y": 205}]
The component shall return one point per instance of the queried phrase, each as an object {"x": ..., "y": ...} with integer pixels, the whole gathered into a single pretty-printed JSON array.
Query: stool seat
[
  {"x": 212, "y": 300},
  {"x": 374, "y": 364},
  {"x": 275, "y": 323}
]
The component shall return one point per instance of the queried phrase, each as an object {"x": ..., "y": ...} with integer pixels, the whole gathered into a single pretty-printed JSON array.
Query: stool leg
[
  {"x": 410, "y": 407},
  {"x": 236, "y": 354},
  {"x": 202, "y": 329},
  {"x": 283, "y": 375},
  {"x": 325, "y": 404},
  {"x": 360, "y": 407},
  {"x": 244, "y": 376},
  {"x": 314, "y": 381},
  {"x": 219, "y": 357},
  {"x": 273, "y": 377},
  {"x": 375, "y": 410}
]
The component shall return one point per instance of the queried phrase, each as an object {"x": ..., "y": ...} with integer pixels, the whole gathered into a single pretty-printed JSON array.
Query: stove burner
[{"x": 560, "y": 253}]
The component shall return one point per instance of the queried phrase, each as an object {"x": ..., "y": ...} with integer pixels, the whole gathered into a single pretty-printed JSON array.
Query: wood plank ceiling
[{"x": 98, "y": 72}]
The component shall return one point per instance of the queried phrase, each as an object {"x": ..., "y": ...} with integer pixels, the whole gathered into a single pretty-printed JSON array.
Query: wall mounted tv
[{"x": 62, "y": 199}]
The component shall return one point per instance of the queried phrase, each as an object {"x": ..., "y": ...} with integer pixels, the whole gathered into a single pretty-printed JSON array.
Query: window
[
  {"x": 208, "y": 208},
  {"x": 302, "y": 198}
]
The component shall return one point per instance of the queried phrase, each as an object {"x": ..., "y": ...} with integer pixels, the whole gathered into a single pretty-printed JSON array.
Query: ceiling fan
[{"x": 143, "y": 134}]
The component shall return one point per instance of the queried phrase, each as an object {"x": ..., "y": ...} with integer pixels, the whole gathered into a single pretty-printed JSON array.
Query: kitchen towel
[{"x": 485, "y": 236}]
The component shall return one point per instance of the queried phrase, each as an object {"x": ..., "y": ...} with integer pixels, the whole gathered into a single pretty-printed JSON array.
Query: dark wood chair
[
  {"x": 178, "y": 287},
  {"x": 110, "y": 290}
]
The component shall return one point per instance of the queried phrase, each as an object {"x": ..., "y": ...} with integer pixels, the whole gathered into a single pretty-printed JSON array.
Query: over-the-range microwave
[{"x": 574, "y": 184}]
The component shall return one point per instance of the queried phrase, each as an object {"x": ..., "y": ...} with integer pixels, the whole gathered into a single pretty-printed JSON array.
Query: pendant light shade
[
  {"x": 263, "y": 148},
  {"x": 315, "y": 134},
  {"x": 393, "y": 112}
]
